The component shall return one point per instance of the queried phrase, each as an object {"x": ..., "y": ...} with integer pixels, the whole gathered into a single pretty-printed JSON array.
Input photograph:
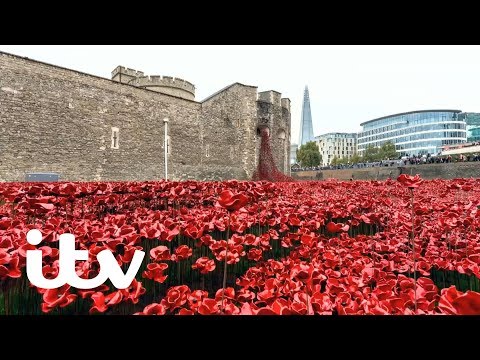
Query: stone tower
[
  {"x": 306, "y": 126},
  {"x": 273, "y": 112}
]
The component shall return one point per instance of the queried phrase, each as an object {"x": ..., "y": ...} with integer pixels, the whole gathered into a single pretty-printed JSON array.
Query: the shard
[{"x": 306, "y": 126}]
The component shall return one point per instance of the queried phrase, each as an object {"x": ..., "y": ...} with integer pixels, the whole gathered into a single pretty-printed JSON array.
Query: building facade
[
  {"x": 473, "y": 125},
  {"x": 306, "y": 125},
  {"x": 85, "y": 128},
  {"x": 415, "y": 132},
  {"x": 336, "y": 145},
  {"x": 293, "y": 153}
]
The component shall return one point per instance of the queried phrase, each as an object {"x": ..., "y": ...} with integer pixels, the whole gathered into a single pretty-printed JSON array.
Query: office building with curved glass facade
[
  {"x": 415, "y": 132},
  {"x": 473, "y": 125}
]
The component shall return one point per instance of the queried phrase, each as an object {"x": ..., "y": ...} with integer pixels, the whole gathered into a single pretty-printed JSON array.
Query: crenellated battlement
[
  {"x": 162, "y": 84},
  {"x": 271, "y": 97},
  {"x": 126, "y": 71},
  {"x": 156, "y": 80}
]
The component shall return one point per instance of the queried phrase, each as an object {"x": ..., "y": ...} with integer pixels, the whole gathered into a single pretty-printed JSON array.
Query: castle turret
[
  {"x": 286, "y": 104},
  {"x": 272, "y": 97},
  {"x": 166, "y": 85},
  {"x": 162, "y": 84},
  {"x": 273, "y": 112}
]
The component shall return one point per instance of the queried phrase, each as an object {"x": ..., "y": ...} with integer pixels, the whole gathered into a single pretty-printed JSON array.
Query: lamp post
[{"x": 165, "y": 144}]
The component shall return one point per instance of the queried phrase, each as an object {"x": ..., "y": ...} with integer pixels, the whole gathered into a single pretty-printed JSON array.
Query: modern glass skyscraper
[
  {"x": 306, "y": 126},
  {"x": 414, "y": 132}
]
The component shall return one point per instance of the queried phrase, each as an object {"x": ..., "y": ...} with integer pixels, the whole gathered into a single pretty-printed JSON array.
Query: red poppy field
[{"x": 245, "y": 248}]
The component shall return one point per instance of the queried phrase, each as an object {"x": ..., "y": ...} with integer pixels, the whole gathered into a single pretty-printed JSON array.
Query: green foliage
[
  {"x": 371, "y": 154},
  {"x": 334, "y": 161},
  {"x": 355, "y": 159},
  {"x": 345, "y": 161},
  {"x": 387, "y": 151},
  {"x": 308, "y": 155},
  {"x": 340, "y": 161}
]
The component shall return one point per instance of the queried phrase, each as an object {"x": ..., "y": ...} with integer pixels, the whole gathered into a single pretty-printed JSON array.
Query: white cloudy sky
[{"x": 348, "y": 84}]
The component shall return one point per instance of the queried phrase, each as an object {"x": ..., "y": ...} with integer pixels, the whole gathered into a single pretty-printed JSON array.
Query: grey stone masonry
[{"x": 84, "y": 127}]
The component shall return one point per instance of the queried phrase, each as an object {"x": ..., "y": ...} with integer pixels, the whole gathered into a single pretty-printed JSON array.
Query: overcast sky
[{"x": 348, "y": 84}]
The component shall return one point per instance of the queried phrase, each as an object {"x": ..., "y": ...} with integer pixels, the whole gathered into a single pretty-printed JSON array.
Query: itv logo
[{"x": 109, "y": 268}]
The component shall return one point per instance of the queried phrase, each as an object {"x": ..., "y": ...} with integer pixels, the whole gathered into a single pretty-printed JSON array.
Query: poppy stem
[
  {"x": 5, "y": 302},
  {"x": 308, "y": 298},
  {"x": 225, "y": 265},
  {"x": 414, "y": 257}
]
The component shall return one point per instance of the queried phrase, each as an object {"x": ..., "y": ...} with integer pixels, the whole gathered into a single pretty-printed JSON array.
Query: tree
[
  {"x": 342, "y": 161},
  {"x": 308, "y": 155},
  {"x": 334, "y": 161},
  {"x": 371, "y": 154},
  {"x": 355, "y": 159},
  {"x": 345, "y": 160},
  {"x": 388, "y": 152}
]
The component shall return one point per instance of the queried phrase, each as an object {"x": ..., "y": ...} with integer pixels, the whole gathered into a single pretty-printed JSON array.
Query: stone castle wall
[{"x": 59, "y": 120}]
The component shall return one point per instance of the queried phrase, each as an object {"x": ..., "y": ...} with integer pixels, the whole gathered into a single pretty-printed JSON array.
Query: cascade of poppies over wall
[{"x": 266, "y": 169}]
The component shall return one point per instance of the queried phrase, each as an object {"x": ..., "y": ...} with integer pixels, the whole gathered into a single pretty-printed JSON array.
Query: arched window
[{"x": 115, "y": 138}]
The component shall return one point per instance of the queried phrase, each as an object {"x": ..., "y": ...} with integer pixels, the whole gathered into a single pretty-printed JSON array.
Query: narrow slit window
[
  {"x": 115, "y": 138},
  {"x": 169, "y": 145},
  {"x": 207, "y": 151}
]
